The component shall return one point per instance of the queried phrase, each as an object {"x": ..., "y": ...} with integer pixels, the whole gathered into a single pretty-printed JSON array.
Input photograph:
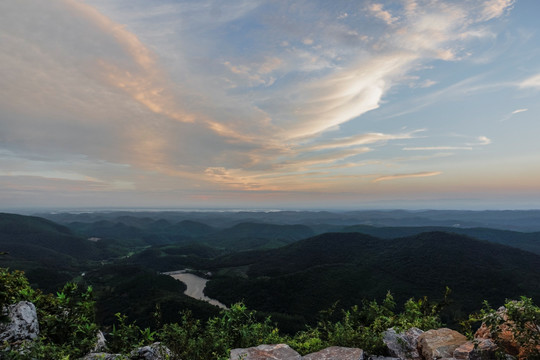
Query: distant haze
[{"x": 270, "y": 105}]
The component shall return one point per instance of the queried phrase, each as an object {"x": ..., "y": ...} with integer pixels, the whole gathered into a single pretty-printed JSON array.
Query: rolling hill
[
  {"x": 529, "y": 241},
  {"x": 310, "y": 275},
  {"x": 33, "y": 238},
  {"x": 49, "y": 253}
]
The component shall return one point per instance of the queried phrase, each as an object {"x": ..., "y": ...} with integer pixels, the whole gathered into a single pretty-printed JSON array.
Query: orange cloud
[{"x": 147, "y": 84}]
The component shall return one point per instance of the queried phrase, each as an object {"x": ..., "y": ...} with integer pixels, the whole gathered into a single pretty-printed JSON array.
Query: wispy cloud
[
  {"x": 147, "y": 84},
  {"x": 251, "y": 95},
  {"x": 384, "y": 15},
  {"x": 407, "y": 176},
  {"x": 495, "y": 8},
  {"x": 531, "y": 82},
  {"x": 361, "y": 139},
  {"x": 509, "y": 116},
  {"x": 437, "y": 148},
  {"x": 481, "y": 141}
]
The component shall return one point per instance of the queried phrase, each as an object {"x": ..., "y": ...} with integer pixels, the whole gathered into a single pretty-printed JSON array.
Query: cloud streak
[
  {"x": 255, "y": 96},
  {"x": 407, "y": 176}
]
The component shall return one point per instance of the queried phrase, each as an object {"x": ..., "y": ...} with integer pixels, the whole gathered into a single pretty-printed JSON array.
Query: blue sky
[{"x": 269, "y": 104}]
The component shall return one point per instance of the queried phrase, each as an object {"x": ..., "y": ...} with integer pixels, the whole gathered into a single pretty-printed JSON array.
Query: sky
[{"x": 270, "y": 104}]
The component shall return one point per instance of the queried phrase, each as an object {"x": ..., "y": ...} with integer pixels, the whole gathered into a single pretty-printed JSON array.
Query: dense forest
[{"x": 292, "y": 276}]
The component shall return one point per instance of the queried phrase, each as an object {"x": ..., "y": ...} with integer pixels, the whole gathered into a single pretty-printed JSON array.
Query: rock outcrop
[
  {"x": 440, "y": 343},
  {"x": 479, "y": 349},
  {"x": 506, "y": 336},
  {"x": 156, "y": 351},
  {"x": 336, "y": 353},
  {"x": 403, "y": 345},
  {"x": 413, "y": 344},
  {"x": 22, "y": 323},
  {"x": 103, "y": 356},
  {"x": 284, "y": 352},
  {"x": 265, "y": 352},
  {"x": 101, "y": 342}
]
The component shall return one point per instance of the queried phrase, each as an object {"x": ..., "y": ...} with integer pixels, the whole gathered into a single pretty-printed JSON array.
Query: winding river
[{"x": 195, "y": 286}]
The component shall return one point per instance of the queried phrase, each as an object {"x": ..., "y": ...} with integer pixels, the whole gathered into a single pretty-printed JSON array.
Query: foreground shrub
[
  {"x": 363, "y": 327},
  {"x": 237, "y": 327},
  {"x": 66, "y": 320},
  {"x": 125, "y": 336},
  {"x": 68, "y": 330},
  {"x": 185, "y": 339},
  {"x": 515, "y": 328}
]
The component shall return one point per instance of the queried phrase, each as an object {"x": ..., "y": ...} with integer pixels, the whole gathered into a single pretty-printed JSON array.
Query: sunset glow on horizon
[{"x": 265, "y": 104}]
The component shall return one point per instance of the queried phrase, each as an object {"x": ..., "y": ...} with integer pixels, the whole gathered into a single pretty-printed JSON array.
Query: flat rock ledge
[
  {"x": 156, "y": 351},
  {"x": 263, "y": 352},
  {"x": 284, "y": 352},
  {"x": 336, "y": 353},
  {"x": 440, "y": 343},
  {"x": 414, "y": 344}
]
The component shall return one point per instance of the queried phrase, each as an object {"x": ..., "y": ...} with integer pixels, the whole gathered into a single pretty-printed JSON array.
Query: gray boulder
[
  {"x": 101, "y": 343},
  {"x": 103, "y": 356},
  {"x": 156, "y": 351},
  {"x": 265, "y": 352},
  {"x": 22, "y": 323},
  {"x": 403, "y": 345},
  {"x": 336, "y": 353}
]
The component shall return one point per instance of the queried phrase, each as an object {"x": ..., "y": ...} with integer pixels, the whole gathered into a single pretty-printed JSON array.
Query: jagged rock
[
  {"x": 403, "y": 345},
  {"x": 440, "y": 343},
  {"x": 481, "y": 349},
  {"x": 101, "y": 343},
  {"x": 383, "y": 358},
  {"x": 464, "y": 351},
  {"x": 156, "y": 351},
  {"x": 336, "y": 353},
  {"x": 102, "y": 356},
  {"x": 22, "y": 325},
  {"x": 506, "y": 337},
  {"x": 483, "y": 332},
  {"x": 264, "y": 352}
]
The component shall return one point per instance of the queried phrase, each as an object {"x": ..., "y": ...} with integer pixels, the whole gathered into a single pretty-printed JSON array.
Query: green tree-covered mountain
[
  {"x": 529, "y": 241},
  {"x": 312, "y": 274},
  {"x": 281, "y": 269},
  {"x": 36, "y": 239}
]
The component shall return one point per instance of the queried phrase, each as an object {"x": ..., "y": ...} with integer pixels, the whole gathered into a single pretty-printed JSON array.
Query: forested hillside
[
  {"x": 281, "y": 270},
  {"x": 312, "y": 274}
]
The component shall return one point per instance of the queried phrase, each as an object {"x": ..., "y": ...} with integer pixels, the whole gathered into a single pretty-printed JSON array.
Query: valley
[
  {"x": 290, "y": 265},
  {"x": 195, "y": 287}
]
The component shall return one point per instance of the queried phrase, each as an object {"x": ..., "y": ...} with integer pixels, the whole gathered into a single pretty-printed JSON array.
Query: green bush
[
  {"x": 14, "y": 287},
  {"x": 185, "y": 339},
  {"x": 363, "y": 327},
  {"x": 66, "y": 320},
  {"x": 515, "y": 329},
  {"x": 127, "y": 336},
  {"x": 68, "y": 330}
]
